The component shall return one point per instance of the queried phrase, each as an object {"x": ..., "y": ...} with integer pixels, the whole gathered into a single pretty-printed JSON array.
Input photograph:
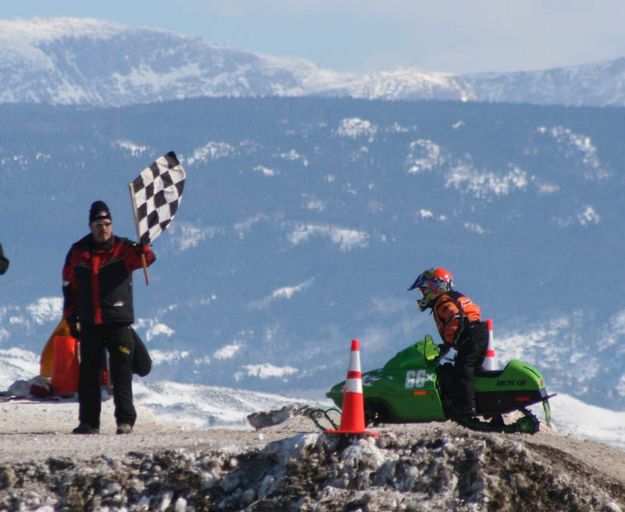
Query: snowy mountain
[
  {"x": 304, "y": 221},
  {"x": 598, "y": 84},
  {"x": 88, "y": 62},
  {"x": 66, "y": 61}
]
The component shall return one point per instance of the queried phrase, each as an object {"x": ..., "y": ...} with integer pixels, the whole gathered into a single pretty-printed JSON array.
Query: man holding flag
[{"x": 97, "y": 290}]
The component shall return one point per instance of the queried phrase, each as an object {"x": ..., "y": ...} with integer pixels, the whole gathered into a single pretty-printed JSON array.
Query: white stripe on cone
[
  {"x": 489, "y": 360},
  {"x": 353, "y": 386},
  {"x": 354, "y": 359}
]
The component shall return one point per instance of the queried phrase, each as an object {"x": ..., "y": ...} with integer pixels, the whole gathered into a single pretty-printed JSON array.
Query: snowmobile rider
[
  {"x": 459, "y": 324},
  {"x": 97, "y": 291},
  {"x": 4, "y": 262}
]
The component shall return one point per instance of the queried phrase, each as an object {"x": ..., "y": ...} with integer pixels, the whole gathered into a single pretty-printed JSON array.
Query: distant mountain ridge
[{"x": 68, "y": 61}]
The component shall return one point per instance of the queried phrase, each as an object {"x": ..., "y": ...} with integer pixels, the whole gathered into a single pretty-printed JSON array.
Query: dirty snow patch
[
  {"x": 46, "y": 309},
  {"x": 159, "y": 329},
  {"x": 265, "y": 371},
  {"x": 354, "y": 127},
  {"x": 346, "y": 239},
  {"x": 228, "y": 351},
  {"x": 424, "y": 155},
  {"x": 588, "y": 216}
]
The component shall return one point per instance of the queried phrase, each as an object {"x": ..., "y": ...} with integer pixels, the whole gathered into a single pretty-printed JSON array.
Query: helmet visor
[{"x": 422, "y": 280}]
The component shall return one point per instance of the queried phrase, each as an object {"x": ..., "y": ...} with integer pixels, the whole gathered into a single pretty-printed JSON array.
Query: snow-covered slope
[
  {"x": 401, "y": 84},
  {"x": 304, "y": 220},
  {"x": 599, "y": 84},
  {"x": 214, "y": 407},
  {"x": 202, "y": 406},
  {"x": 68, "y": 61}
]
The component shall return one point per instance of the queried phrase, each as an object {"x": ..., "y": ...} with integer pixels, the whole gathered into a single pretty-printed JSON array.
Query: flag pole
[{"x": 134, "y": 215}]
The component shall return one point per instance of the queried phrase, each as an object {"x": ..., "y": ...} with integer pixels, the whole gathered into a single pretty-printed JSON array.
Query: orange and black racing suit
[
  {"x": 97, "y": 290},
  {"x": 459, "y": 323}
]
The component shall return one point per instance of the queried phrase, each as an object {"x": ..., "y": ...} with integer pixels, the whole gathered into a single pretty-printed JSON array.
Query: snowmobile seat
[{"x": 481, "y": 372}]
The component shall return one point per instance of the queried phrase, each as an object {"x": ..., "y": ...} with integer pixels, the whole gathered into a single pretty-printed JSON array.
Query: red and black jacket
[
  {"x": 453, "y": 311},
  {"x": 97, "y": 280}
]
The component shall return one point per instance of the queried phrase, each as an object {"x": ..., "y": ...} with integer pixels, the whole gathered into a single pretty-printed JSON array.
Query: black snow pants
[
  {"x": 470, "y": 356},
  {"x": 118, "y": 340}
]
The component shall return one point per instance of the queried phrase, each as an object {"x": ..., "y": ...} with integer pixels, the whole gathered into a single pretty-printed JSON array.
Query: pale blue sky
[{"x": 365, "y": 35}]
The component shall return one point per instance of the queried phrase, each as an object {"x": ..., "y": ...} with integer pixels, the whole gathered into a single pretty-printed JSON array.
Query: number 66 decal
[{"x": 416, "y": 378}]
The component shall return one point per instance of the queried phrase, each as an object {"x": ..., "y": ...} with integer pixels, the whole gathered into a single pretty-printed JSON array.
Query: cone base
[{"x": 350, "y": 433}]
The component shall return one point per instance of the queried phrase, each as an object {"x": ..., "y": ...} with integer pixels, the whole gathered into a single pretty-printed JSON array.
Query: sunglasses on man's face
[{"x": 103, "y": 224}]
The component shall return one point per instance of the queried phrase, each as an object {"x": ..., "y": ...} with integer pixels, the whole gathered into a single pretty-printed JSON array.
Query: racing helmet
[{"x": 432, "y": 283}]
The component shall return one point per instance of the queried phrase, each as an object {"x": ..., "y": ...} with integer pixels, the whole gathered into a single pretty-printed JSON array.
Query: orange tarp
[{"x": 46, "y": 360}]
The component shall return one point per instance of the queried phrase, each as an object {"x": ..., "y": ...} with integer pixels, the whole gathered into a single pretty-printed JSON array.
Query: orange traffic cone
[
  {"x": 489, "y": 360},
  {"x": 353, "y": 414}
]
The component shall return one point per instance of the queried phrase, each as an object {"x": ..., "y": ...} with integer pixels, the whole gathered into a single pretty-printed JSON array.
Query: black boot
[{"x": 85, "y": 428}]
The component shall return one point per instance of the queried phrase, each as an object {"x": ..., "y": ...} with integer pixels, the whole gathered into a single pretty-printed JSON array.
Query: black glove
[
  {"x": 74, "y": 330},
  {"x": 443, "y": 348}
]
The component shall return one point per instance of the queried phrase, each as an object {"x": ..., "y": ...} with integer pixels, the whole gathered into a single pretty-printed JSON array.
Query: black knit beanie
[{"x": 99, "y": 210}]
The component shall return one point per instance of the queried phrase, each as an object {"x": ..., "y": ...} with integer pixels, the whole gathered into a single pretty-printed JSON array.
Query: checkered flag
[{"x": 156, "y": 194}]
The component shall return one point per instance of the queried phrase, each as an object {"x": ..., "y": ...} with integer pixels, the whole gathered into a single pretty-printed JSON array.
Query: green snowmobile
[{"x": 415, "y": 387}]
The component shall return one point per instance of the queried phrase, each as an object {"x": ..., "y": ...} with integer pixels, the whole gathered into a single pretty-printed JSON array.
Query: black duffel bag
[{"x": 141, "y": 360}]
